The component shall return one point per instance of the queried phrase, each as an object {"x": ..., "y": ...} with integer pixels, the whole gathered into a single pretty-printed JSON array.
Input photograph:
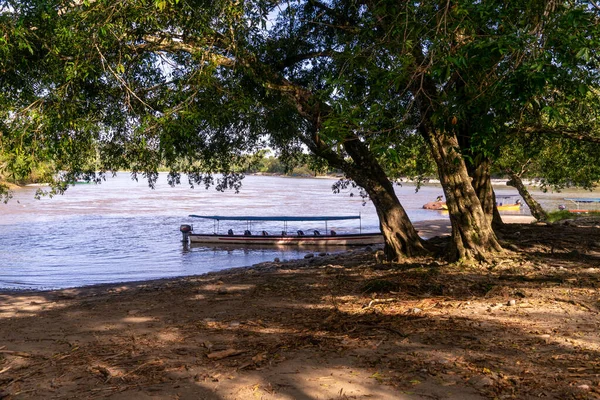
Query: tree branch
[
  {"x": 288, "y": 62},
  {"x": 308, "y": 107},
  {"x": 164, "y": 44},
  {"x": 120, "y": 79},
  {"x": 339, "y": 18}
]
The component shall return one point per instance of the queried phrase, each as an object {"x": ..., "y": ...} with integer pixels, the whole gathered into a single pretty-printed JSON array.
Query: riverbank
[
  {"x": 325, "y": 327},
  {"x": 9, "y": 186}
]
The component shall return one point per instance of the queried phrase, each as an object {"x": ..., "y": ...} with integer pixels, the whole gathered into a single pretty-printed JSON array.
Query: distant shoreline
[{"x": 429, "y": 181}]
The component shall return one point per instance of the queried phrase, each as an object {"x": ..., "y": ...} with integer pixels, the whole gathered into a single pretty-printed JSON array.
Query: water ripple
[{"x": 123, "y": 231}]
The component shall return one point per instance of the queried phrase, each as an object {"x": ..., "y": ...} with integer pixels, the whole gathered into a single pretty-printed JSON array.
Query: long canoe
[
  {"x": 313, "y": 239},
  {"x": 441, "y": 206},
  {"x": 358, "y": 239}
]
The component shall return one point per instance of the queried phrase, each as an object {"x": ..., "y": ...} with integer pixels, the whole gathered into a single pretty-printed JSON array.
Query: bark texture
[
  {"x": 482, "y": 184},
  {"x": 534, "y": 207},
  {"x": 472, "y": 233},
  {"x": 401, "y": 238}
]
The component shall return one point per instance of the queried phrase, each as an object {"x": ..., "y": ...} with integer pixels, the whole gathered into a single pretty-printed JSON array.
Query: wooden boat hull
[
  {"x": 361, "y": 239},
  {"x": 441, "y": 206},
  {"x": 435, "y": 205}
]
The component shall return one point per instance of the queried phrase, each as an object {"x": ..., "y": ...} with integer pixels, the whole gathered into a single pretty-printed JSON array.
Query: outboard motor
[{"x": 185, "y": 232}]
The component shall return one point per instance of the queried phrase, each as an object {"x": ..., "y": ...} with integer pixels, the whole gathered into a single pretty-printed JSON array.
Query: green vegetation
[
  {"x": 274, "y": 166},
  {"x": 302, "y": 165},
  {"x": 562, "y": 215},
  {"x": 22, "y": 171}
]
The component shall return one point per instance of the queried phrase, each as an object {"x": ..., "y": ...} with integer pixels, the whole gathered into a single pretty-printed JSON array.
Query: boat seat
[
  {"x": 230, "y": 232},
  {"x": 317, "y": 233},
  {"x": 300, "y": 233},
  {"x": 333, "y": 233},
  {"x": 247, "y": 233},
  {"x": 265, "y": 233}
]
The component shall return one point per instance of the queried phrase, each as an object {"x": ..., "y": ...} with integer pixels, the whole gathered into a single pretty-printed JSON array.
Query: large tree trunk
[
  {"x": 472, "y": 234},
  {"x": 401, "y": 237},
  {"x": 478, "y": 167},
  {"x": 534, "y": 207},
  {"x": 482, "y": 184}
]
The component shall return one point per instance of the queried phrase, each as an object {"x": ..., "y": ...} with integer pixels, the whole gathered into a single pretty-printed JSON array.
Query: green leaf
[{"x": 584, "y": 53}]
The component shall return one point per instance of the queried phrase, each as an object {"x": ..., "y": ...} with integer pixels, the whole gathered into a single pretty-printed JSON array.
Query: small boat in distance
[
  {"x": 516, "y": 206},
  {"x": 579, "y": 202},
  {"x": 299, "y": 238},
  {"x": 439, "y": 204},
  {"x": 436, "y": 205}
]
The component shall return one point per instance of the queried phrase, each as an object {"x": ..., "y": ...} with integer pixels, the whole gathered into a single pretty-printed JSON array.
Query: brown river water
[{"x": 121, "y": 230}]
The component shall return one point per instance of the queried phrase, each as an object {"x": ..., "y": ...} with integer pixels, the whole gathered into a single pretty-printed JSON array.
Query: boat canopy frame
[
  {"x": 584, "y": 200},
  {"x": 283, "y": 218}
]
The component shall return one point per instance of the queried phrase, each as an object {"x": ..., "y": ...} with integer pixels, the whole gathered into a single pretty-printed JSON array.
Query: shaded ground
[{"x": 328, "y": 327}]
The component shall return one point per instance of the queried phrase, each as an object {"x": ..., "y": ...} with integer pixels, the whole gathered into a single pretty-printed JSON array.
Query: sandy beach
[
  {"x": 339, "y": 326},
  {"x": 442, "y": 227}
]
